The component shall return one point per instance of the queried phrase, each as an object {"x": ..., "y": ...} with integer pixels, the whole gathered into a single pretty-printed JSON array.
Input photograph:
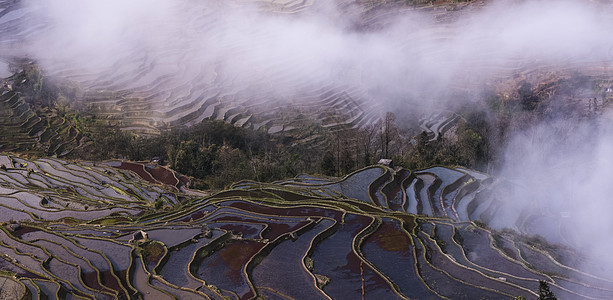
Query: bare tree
[
  {"x": 388, "y": 132},
  {"x": 366, "y": 138}
]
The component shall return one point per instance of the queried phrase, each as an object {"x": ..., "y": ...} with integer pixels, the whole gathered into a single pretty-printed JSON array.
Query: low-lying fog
[
  {"x": 561, "y": 169},
  {"x": 561, "y": 172},
  {"x": 4, "y": 70},
  {"x": 407, "y": 59}
]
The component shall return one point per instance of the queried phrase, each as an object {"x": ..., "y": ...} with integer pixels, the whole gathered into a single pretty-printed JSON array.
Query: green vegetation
[
  {"x": 468, "y": 149},
  {"x": 544, "y": 292},
  {"x": 216, "y": 153},
  {"x": 227, "y": 239},
  {"x": 114, "y": 230},
  {"x": 159, "y": 203}
]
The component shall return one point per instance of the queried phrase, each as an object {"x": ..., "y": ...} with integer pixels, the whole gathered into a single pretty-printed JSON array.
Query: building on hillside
[{"x": 386, "y": 162}]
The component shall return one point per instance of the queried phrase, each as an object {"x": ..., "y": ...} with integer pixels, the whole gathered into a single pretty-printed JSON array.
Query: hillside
[
  {"x": 303, "y": 149},
  {"x": 78, "y": 229}
]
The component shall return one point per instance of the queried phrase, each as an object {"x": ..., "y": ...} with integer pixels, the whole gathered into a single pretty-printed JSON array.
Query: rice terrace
[{"x": 306, "y": 149}]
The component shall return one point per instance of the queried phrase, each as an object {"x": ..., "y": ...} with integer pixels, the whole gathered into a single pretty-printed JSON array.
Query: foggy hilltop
[
  {"x": 391, "y": 59},
  {"x": 374, "y": 149}
]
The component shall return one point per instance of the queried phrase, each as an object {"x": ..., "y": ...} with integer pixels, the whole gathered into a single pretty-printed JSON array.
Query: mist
[
  {"x": 555, "y": 178},
  {"x": 402, "y": 59},
  {"x": 556, "y": 182},
  {"x": 4, "y": 69}
]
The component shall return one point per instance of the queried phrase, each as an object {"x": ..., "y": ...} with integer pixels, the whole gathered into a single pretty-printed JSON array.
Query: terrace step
[
  {"x": 300, "y": 232},
  {"x": 283, "y": 269}
]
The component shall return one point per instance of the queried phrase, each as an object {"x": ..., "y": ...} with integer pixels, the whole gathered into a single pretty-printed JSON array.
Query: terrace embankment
[{"x": 92, "y": 230}]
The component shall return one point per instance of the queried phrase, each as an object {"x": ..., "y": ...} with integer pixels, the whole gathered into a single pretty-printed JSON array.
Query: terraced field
[
  {"x": 437, "y": 124},
  {"x": 130, "y": 230},
  {"x": 28, "y": 130},
  {"x": 146, "y": 94},
  {"x": 147, "y": 91},
  {"x": 120, "y": 230}
]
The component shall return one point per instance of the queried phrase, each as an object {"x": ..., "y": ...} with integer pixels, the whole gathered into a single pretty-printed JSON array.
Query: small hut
[{"x": 386, "y": 162}]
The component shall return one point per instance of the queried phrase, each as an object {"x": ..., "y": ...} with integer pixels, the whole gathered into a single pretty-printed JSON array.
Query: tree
[
  {"x": 389, "y": 131},
  {"x": 288, "y": 168},
  {"x": 471, "y": 146},
  {"x": 347, "y": 162},
  {"x": 159, "y": 203},
  {"x": 366, "y": 137},
  {"x": 229, "y": 166},
  {"x": 184, "y": 157},
  {"x": 328, "y": 164},
  {"x": 544, "y": 292},
  {"x": 424, "y": 149}
]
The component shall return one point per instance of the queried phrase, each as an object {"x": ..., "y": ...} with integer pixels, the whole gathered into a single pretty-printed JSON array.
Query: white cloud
[{"x": 409, "y": 60}]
